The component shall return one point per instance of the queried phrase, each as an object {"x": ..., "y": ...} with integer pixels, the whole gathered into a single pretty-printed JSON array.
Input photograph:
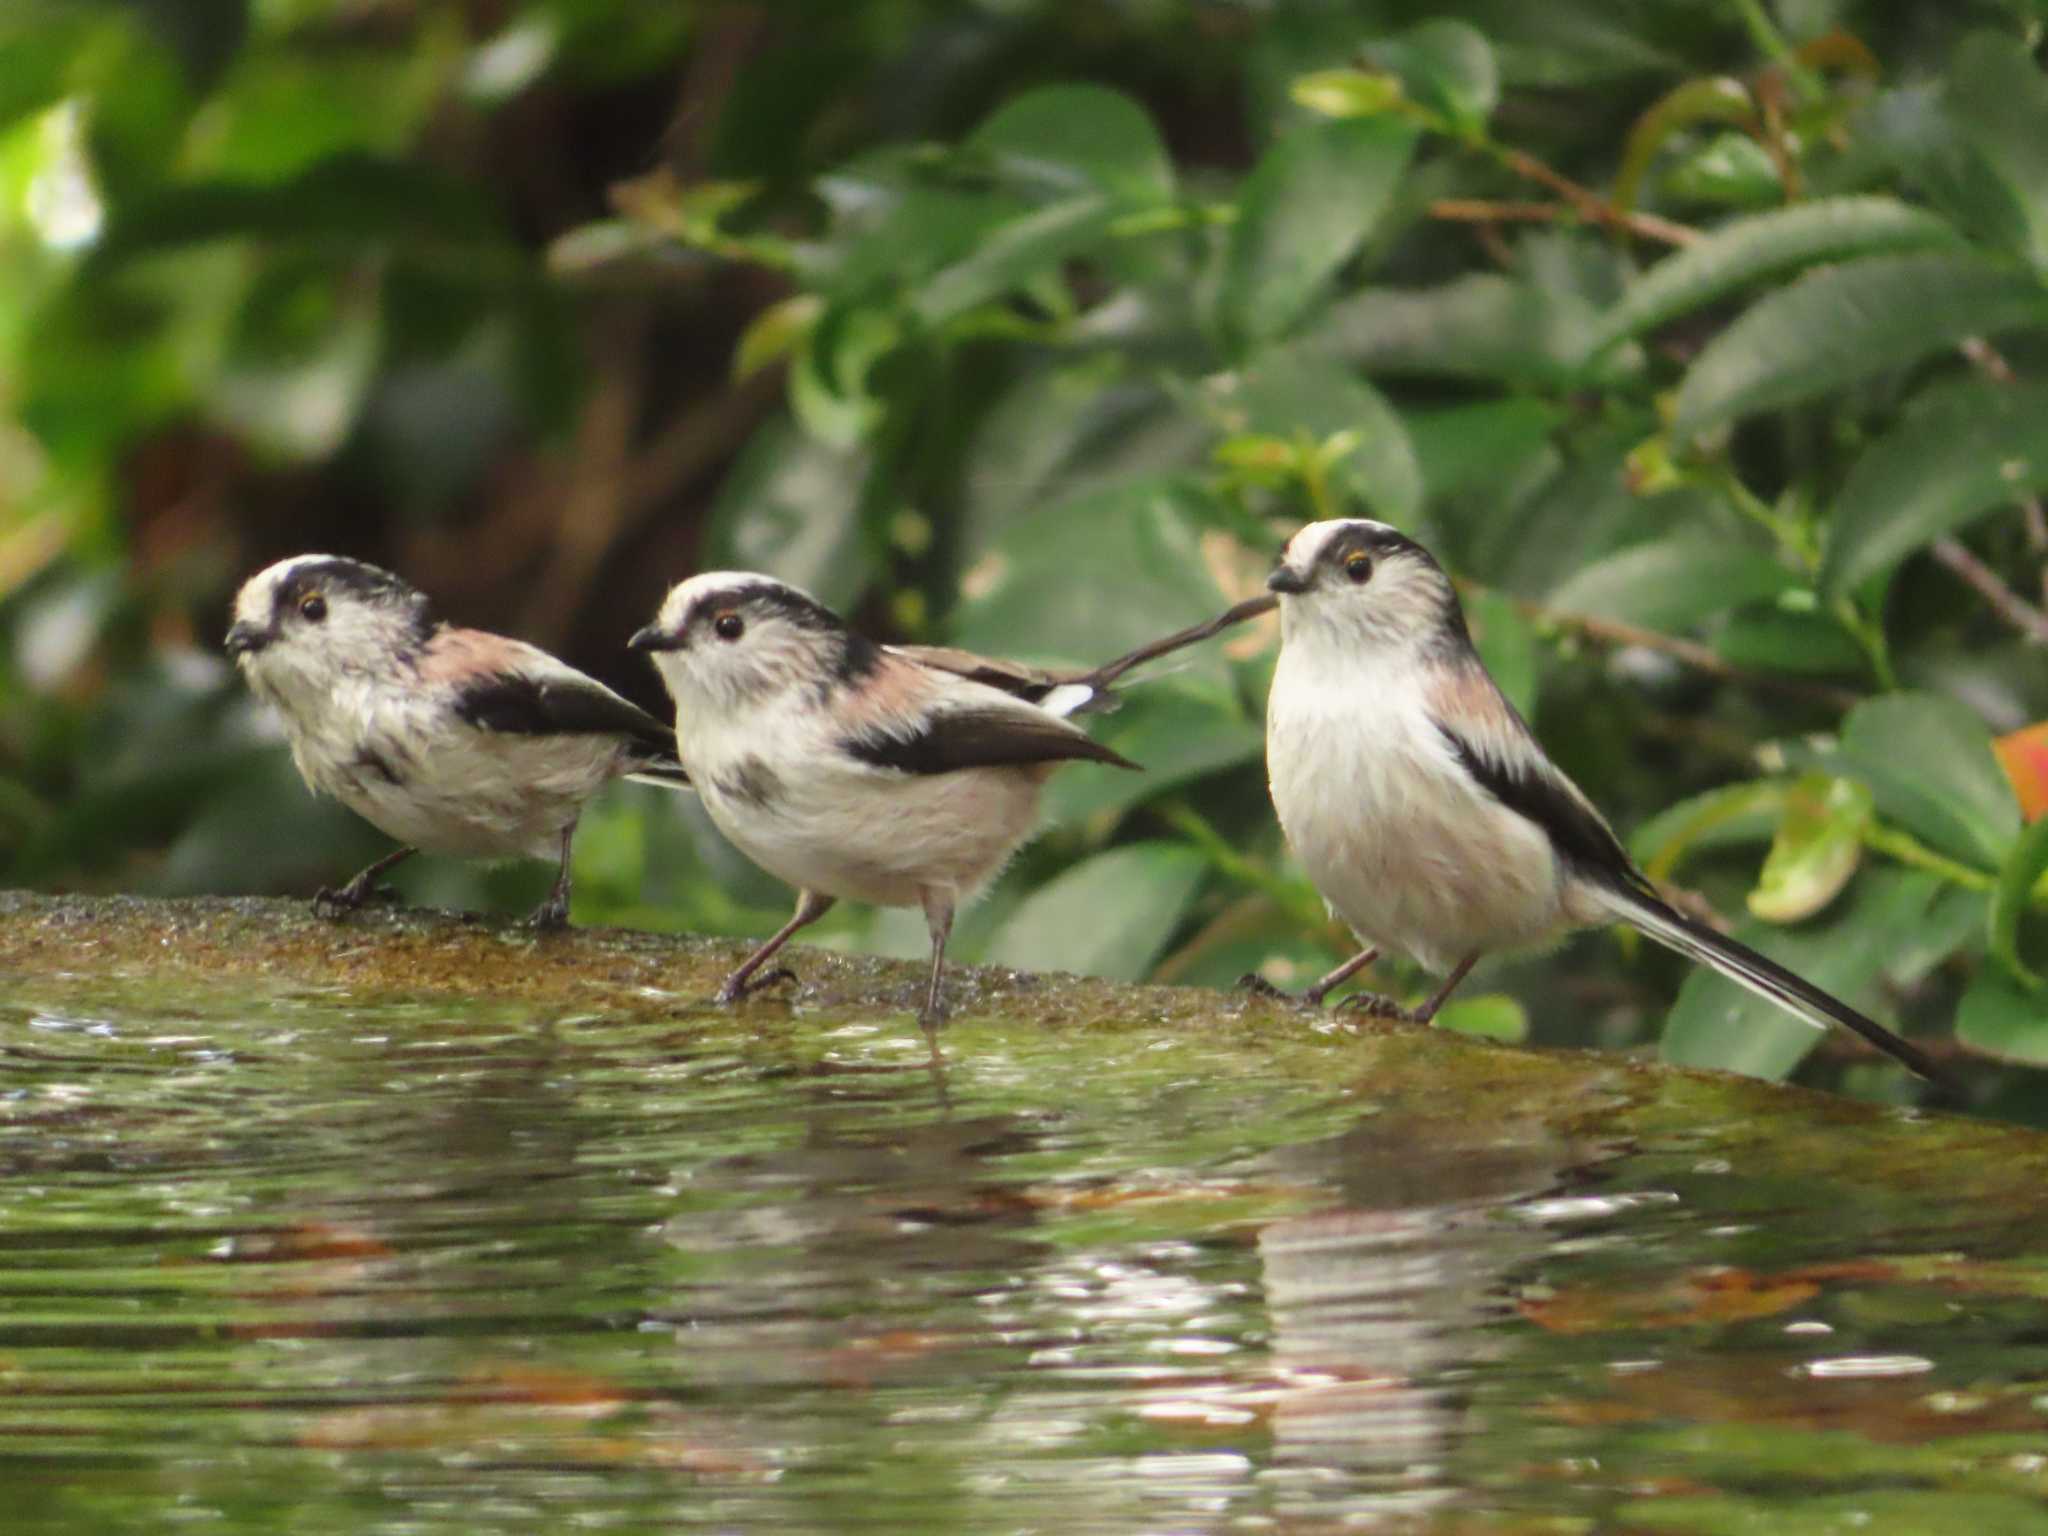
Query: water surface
[{"x": 272, "y": 1260}]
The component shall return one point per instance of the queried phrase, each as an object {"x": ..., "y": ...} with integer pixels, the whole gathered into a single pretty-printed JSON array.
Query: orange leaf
[{"x": 2024, "y": 756}]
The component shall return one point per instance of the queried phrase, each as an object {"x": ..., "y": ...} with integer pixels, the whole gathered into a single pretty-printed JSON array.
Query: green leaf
[
  {"x": 1088, "y": 134},
  {"x": 1715, "y": 98},
  {"x": 1718, "y": 1024},
  {"x": 1106, "y": 916},
  {"x": 1818, "y": 845},
  {"x": 1810, "y": 644},
  {"x": 2013, "y": 895},
  {"x": 830, "y": 381},
  {"x": 1007, "y": 256},
  {"x": 1673, "y": 583},
  {"x": 1490, "y": 1016},
  {"x": 1481, "y": 326},
  {"x": 1734, "y": 813},
  {"x": 774, "y": 333},
  {"x": 1346, "y": 93},
  {"x": 2000, "y": 1017},
  {"x": 1731, "y": 170},
  {"x": 1446, "y": 65},
  {"x": 1844, "y": 323},
  {"x": 1293, "y": 391},
  {"x": 1308, "y": 204},
  {"x": 1961, "y": 451},
  {"x": 1768, "y": 245},
  {"x": 1479, "y": 447},
  {"x": 1022, "y": 599},
  {"x": 1929, "y": 762},
  {"x": 1998, "y": 97}
]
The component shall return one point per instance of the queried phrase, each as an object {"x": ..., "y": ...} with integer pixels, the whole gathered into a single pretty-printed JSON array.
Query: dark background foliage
[{"x": 1702, "y": 338}]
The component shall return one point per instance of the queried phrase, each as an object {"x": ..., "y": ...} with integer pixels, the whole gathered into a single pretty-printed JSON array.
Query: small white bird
[
  {"x": 453, "y": 741},
  {"x": 897, "y": 776},
  {"x": 1423, "y": 808}
]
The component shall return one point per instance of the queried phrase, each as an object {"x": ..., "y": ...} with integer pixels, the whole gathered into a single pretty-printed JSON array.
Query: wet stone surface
[{"x": 410, "y": 1224}]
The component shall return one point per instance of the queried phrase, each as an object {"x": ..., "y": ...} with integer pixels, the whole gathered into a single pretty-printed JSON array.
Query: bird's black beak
[
  {"x": 246, "y": 639},
  {"x": 1286, "y": 579},
  {"x": 652, "y": 638}
]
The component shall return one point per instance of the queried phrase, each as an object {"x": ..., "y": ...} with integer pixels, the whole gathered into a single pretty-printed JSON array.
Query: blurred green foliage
[{"x": 1705, "y": 340}]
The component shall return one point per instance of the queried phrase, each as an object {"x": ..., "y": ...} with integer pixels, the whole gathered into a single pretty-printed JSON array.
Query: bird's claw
[
  {"x": 551, "y": 916},
  {"x": 735, "y": 990},
  {"x": 1258, "y": 986},
  {"x": 339, "y": 901},
  {"x": 1374, "y": 1006}
]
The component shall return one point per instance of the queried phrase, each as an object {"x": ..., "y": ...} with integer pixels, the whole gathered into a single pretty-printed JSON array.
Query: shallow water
[{"x": 274, "y": 1261}]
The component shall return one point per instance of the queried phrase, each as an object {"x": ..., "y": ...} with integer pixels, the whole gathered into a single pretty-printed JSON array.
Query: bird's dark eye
[
  {"x": 313, "y": 608},
  {"x": 728, "y": 626},
  {"x": 1359, "y": 568}
]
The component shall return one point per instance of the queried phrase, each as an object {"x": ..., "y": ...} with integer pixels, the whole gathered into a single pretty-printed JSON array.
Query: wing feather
[
  {"x": 508, "y": 686},
  {"x": 1495, "y": 746}
]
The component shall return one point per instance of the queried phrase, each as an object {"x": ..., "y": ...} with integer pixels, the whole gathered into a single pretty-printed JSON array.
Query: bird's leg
[
  {"x": 810, "y": 906},
  {"x": 1386, "y": 1008},
  {"x": 330, "y": 902},
  {"x": 554, "y": 912},
  {"x": 1311, "y": 996},
  {"x": 938, "y": 917}
]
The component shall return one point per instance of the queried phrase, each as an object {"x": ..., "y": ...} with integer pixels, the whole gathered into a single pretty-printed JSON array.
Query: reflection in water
[
  {"x": 286, "y": 1263},
  {"x": 1381, "y": 1305}
]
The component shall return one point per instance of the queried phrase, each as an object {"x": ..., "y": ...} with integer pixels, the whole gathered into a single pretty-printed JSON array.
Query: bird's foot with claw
[
  {"x": 737, "y": 992},
  {"x": 1374, "y": 1006},
  {"x": 551, "y": 916},
  {"x": 1254, "y": 985},
  {"x": 339, "y": 901}
]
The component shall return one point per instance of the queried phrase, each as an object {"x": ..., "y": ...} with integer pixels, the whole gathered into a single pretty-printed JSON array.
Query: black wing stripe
[
  {"x": 973, "y": 738},
  {"x": 1581, "y": 838},
  {"x": 520, "y": 705}
]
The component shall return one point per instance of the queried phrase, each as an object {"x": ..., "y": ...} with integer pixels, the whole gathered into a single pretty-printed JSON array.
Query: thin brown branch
[
  {"x": 1595, "y": 209},
  {"x": 1992, "y": 364},
  {"x": 1687, "y": 652},
  {"x": 2001, "y": 599},
  {"x": 1480, "y": 210}
]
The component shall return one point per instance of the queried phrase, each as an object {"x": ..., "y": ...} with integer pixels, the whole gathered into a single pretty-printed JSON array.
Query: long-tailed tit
[
  {"x": 1421, "y": 805},
  {"x": 902, "y": 777},
  {"x": 453, "y": 741}
]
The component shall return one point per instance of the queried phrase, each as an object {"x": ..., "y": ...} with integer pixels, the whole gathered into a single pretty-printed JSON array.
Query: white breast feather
[
  {"x": 460, "y": 790},
  {"x": 1404, "y": 846},
  {"x": 844, "y": 828}
]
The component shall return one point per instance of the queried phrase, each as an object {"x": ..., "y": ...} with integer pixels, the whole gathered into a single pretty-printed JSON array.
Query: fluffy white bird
[
  {"x": 901, "y": 777},
  {"x": 453, "y": 741},
  {"x": 1423, "y": 808}
]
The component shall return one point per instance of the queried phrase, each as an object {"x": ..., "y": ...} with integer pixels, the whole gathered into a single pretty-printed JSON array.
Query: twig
[
  {"x": 1690, "y": 652},
  {"x": 1592, "y": 207},
  {"x": 1250, "y": 608},
  {"x": 1992, "y": 364},
  {"x": 1475, "y": 210},
  {"x": 2006, "y": 603}
]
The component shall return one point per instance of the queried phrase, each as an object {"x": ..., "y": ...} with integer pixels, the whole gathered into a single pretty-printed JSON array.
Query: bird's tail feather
[
  {"x": 661, "y": 775},
  {"x": 1763, "y": 976}
]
